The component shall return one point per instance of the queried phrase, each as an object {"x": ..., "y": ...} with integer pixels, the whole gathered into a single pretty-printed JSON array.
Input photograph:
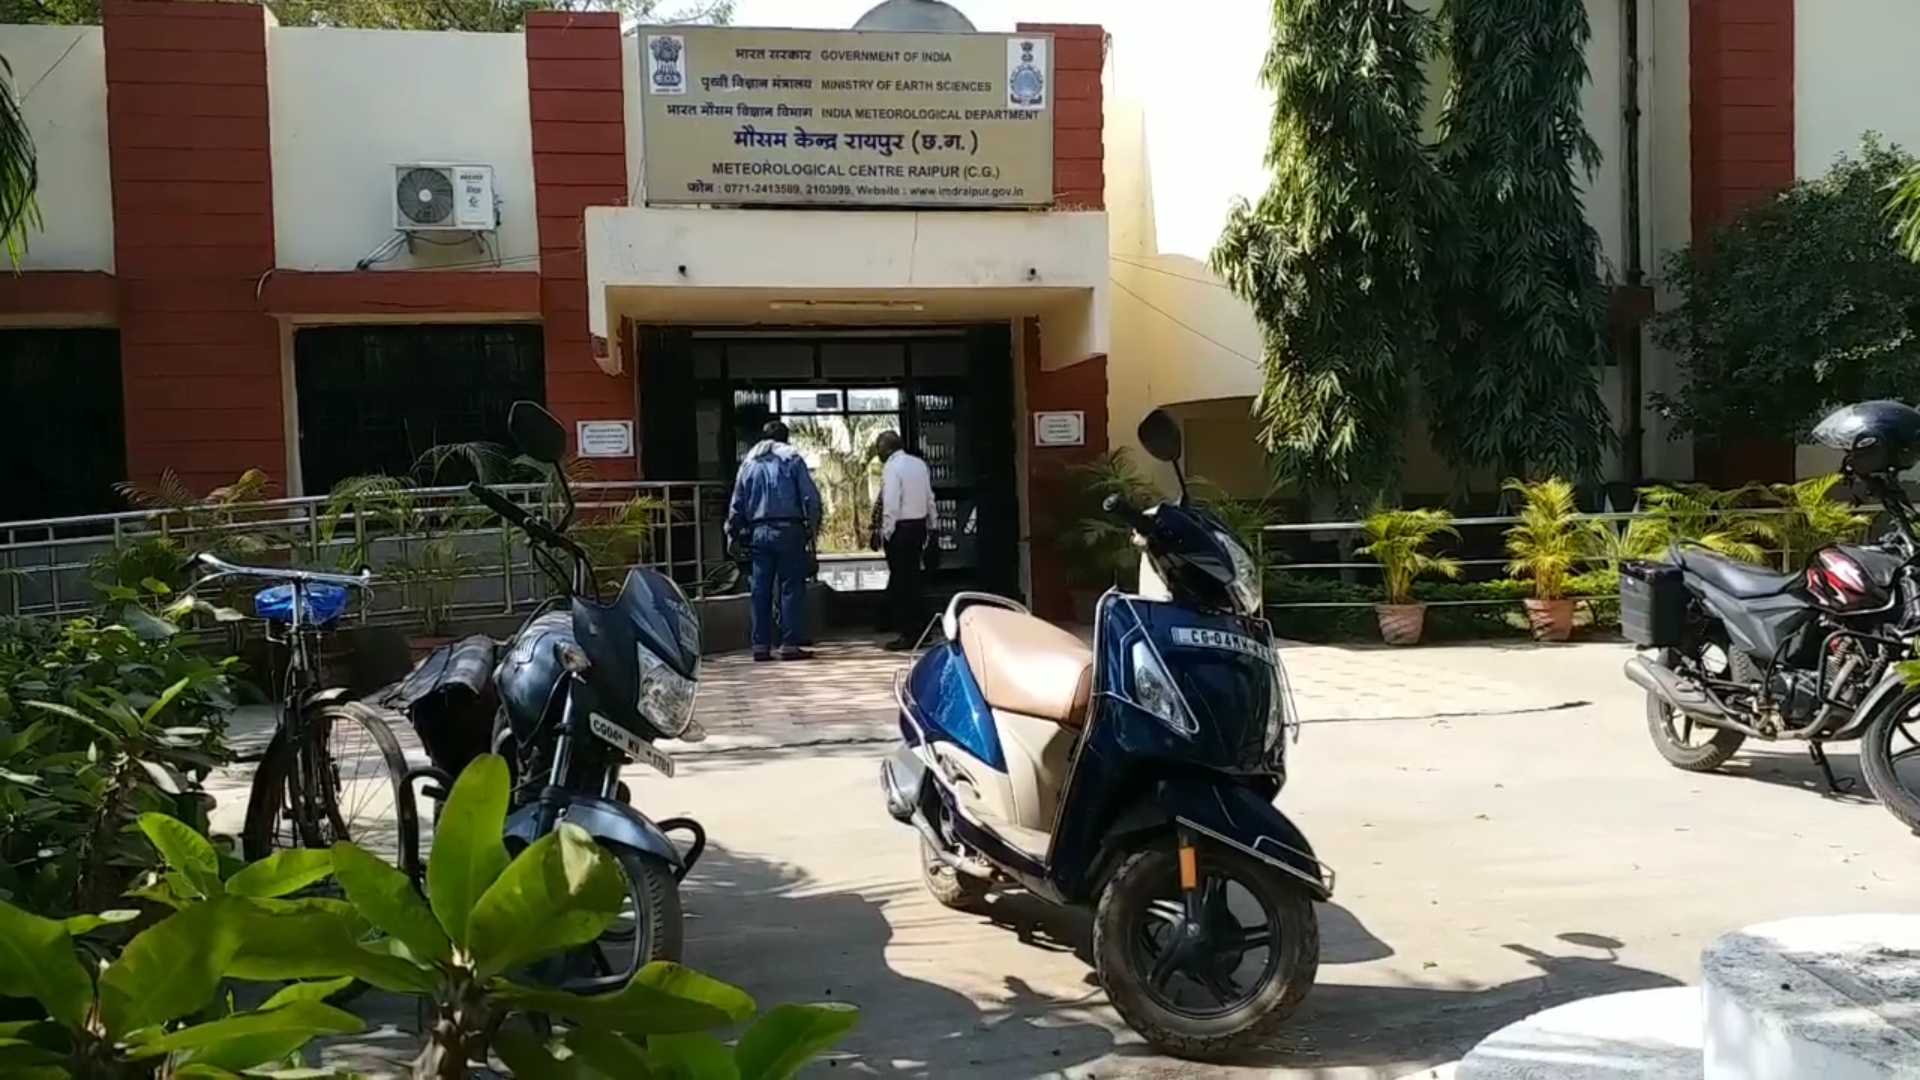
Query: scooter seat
[{"x": 1026, "y": 665}]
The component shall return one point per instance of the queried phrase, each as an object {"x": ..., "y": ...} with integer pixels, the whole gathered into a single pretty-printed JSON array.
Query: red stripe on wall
[
  {"x": 1741, "y": 72},
  {"x": 574, "y": 82},
  {"x": 187, "y": 108},
  {"x": 389, "y": 293},
  {"x": 48, "y": 296}
]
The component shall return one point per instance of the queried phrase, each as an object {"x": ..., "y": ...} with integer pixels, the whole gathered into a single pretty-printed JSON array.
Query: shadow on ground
[
  {"x": 1344, "y": 1026},
  {"x": 762, "y": 926}
]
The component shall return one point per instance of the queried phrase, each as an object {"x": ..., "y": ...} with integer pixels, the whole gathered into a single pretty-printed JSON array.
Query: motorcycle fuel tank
[{"x": 531, "y": 669}]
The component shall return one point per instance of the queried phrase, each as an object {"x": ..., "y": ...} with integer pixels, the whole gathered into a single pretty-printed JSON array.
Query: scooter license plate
[{"x": 632, "y": 745}]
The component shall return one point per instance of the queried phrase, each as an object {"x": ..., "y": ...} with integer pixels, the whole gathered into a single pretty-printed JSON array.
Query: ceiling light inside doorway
[{"x": 847, "y": 305}]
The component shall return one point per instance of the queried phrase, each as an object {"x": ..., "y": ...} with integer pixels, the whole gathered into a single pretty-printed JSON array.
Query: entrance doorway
[{"x": 948, "y": 392}]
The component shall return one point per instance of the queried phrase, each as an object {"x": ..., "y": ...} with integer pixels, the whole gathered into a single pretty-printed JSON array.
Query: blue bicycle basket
[{"x": 320, "y": 604}]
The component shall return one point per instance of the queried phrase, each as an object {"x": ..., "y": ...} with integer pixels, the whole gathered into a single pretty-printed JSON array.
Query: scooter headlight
[
  {"x": 1154, "y": 691},
  {"x": 666, "y": 697}
]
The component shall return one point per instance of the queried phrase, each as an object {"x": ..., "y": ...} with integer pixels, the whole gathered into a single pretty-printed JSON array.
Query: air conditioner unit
[{"x": 429, "y": 198}]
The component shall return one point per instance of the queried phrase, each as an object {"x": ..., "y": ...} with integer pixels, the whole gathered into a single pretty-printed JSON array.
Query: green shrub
[
  {"x": 100, "y": 722},
  {"x": 157, "y": 1009}
]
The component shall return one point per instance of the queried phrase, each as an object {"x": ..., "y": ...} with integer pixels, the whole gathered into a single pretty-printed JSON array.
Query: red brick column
[
  {"x": 1741, "y": 67},
  {"x": 192, "y": 189},
  {"x": 1079, "y": 183},
  {"x": 579, "y": 109},
  {"x": 1079, "y": 116}
]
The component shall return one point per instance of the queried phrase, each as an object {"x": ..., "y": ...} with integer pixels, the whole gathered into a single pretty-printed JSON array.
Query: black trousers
[{"x": 906, "y": 579}]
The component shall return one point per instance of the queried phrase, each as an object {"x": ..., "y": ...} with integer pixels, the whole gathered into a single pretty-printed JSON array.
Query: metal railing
[
  {"x": 1367, "y": 572},
  {"x": 57, "y": 566}
]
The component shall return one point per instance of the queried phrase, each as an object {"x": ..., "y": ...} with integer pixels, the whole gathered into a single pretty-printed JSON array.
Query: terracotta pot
[
  {"x": 1401, "y": 624},
  {"x": 1552, "y": 620}
]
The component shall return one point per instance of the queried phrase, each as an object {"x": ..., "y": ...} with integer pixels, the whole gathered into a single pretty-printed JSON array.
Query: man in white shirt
[{"x": 906, "y": 523}]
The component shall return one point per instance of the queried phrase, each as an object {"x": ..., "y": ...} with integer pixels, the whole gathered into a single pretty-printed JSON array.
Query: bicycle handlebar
[{"x": 220, "y": 568}]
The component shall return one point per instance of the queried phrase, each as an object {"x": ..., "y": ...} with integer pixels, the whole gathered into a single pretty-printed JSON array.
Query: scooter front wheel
[{"x": 1222, "y": 986}]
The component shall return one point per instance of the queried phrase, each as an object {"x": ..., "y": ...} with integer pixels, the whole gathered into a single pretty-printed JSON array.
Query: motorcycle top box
[{"x": 1136, "y": 775}]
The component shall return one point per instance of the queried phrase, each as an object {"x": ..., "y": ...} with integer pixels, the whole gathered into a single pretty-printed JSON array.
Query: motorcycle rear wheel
[
  {"x": 1670, "y": 732},
  {"x": 1135, "y": 901}
]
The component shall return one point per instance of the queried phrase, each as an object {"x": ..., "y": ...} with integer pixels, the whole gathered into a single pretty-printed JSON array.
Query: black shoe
[
  {"x": 795, "y": 654},
  {"x": 898, "y": 644},
  {"x": 762, "y": 657}
]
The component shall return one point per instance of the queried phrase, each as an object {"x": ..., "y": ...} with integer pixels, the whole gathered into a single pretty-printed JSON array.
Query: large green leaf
[
  {"x": 173, "y": 967},
  {"x": 560, "y": 893},
  {"x": 37, "y": 961},
  {"x": 86, "y": 924},
  {"x": 789, "y": 1036},
  {"x": 317, "y": 943},
  {"x": 693, "y": 1055},
  {"x": 613, "y": 1055},
  {"x": 281, "y": 873},
  {"x": 385, "y": 896},
  {"x": 525, "y": 1055},
  {"x": 288, "y": 1028},
  {"x": 468, "y": 852},
  {"x": 662, "y": 999},
  {"x": 306, "y": 991},
  {"x": 185, "y": 851}
]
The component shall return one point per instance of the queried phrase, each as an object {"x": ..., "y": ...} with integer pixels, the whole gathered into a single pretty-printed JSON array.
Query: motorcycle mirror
[
  {"x": 537, "y": 433},
  {"x": 1160, "y": 436}
]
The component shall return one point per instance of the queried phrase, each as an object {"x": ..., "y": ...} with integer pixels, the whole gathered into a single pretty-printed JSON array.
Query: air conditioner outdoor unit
[{"x": 429, "y": 197}]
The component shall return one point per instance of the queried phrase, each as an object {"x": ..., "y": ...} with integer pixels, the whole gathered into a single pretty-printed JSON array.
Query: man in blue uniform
[{"x": 775, "y": 513}]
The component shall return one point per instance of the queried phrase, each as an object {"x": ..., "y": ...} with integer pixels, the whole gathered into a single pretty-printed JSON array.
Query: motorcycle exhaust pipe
[{"x": 1661, "y": 681}]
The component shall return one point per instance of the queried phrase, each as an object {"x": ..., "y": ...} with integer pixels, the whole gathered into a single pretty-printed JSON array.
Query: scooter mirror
[
  {"x": 537, "y": 433},
  {"x": 1160, "y": 436}
]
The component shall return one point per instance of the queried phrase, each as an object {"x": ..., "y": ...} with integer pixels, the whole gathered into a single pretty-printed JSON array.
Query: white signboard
[
  {"x": 605, "y": 438},
  {"x": 1059, "y": 429}
]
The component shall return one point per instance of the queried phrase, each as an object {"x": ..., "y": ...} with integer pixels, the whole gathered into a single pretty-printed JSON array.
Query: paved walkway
[{"x": 1506, "y": 838}]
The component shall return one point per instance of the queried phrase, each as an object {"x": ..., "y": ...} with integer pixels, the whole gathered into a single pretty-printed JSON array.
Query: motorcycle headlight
[
  {"x": 666, "y": 697},
  {"x": 1247, "y": 593},
  {"x": 1154, "y": 691}
]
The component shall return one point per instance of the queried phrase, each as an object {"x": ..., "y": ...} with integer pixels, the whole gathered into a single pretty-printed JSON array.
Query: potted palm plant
[
  {"x": 1546, "y": 545},
  {"x": 1398, "y": 541},
  {"x": 1098, "y": 546}
]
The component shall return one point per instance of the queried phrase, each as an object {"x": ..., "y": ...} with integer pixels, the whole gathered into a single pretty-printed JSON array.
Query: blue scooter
[{"x": 1136, "y": 777}]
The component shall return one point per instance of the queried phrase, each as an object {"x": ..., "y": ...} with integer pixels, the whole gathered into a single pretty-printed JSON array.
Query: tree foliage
[
  {"x": 1330, "y": 258},
  {"x": 1522, "y": 304},
  {"x": 1800, "y": 302},
  {"x": 496, "y": 16},
  {"x": 19, "y": 172}
]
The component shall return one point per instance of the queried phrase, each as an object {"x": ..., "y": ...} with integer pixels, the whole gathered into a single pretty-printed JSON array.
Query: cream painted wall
[
  {"x": 60, "y": 72},
  {"x": 348, "y": 105},
  {"x": 1854, "y": 72}
]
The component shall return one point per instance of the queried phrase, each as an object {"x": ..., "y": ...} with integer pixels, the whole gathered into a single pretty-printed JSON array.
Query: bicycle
[{"x": 298, "y": 782}]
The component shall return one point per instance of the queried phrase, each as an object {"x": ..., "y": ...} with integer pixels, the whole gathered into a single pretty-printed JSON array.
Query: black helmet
[{"x": 1876, "y": 436}]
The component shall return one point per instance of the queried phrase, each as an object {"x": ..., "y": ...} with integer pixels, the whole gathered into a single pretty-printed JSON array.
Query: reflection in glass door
[{"x": 834, "y": 429}]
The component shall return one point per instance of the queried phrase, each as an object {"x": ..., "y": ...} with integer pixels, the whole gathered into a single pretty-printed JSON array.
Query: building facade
[{"x": 220, "y": 283}]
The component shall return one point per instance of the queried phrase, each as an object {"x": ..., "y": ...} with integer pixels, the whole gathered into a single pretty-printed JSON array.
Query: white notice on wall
[
  {"x": 605, "y": 438},
  {"x": 1059, "y": 429}
]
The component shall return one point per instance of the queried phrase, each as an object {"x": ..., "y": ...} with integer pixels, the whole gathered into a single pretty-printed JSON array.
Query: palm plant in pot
[
  {"x": 1398, "y": 541},
  {"x": 1546, "y": 546},
  {"x": 1098, "y": 546}
]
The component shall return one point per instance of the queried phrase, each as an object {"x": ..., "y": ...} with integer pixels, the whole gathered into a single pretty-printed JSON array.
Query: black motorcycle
[
  {"x": 1734, "y": 651},
  {"x": 584, "y": 687}
]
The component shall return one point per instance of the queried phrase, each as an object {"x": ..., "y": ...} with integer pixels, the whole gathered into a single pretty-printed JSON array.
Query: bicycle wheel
[{"x": 337, "y": 774}]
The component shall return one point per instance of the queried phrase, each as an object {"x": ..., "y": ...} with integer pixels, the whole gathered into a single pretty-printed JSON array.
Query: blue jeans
[{"x": 779, "y": 568}]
